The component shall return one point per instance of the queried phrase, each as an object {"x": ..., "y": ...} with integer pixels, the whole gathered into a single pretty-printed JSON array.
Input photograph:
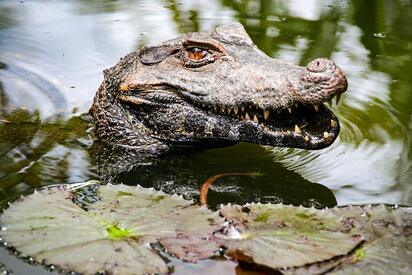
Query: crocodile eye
[
  {"x": 196, "y": 54},
  {"x": 195, "y": 57}
]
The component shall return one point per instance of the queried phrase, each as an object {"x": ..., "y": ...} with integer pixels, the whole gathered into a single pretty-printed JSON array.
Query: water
[{"x": 52, "y": 54}]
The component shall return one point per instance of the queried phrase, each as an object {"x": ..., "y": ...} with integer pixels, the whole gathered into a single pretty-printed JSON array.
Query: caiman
[{"x": 215, "y": 88}]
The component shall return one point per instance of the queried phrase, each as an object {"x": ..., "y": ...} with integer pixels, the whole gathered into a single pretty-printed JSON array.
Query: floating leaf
[
  {"x": 154, "y": 215},
  {"x": 113, "y": 236},
  {"x": 285, "y": 237},
  {"x": 117, "y": 232},
  {"x": 279, "y": 236},
  {"x": 387, "y": 255},
  {"x": 373, "y": 221},
  {"x": 388, "y": 242},
  {"x": 190, "y": 248}
]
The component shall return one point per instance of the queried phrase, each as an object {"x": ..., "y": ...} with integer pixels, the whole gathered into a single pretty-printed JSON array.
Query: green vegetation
[
  {"x": 116, "y": 233},
  {"x": 359, "y": 255},
  {"x": 276, "y": 236}
]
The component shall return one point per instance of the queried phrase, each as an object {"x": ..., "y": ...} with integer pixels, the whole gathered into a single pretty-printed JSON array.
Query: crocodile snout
[
  {"x": 321, "y": 65},
  {"x": 322, "y": 81},
  {"x": 324, "y": 71}
]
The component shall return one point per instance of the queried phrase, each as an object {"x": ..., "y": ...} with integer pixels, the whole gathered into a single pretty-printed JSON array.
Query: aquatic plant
[{"x": 135, "y": 230}]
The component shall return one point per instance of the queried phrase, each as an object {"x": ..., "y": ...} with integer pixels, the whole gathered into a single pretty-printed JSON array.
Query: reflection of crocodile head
[{"x": 215, "y": 88}]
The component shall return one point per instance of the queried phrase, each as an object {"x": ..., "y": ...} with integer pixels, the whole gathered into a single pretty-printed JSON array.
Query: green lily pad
[
  {"x": 387, "y": 248},
  {"x": 373, "y": 221},
  {"x": 113, "y": 236},
  {"x": 285, "y": 237},
  {"x": 387, "y": 255},
  {"x": 118, "y": 232}
]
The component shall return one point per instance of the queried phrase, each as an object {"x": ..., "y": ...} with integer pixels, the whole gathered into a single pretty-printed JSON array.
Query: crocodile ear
[{"x": 150, "y": 55}]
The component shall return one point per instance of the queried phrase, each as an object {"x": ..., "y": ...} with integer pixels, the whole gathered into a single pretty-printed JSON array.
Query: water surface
[{"x": 52, "y": 54}]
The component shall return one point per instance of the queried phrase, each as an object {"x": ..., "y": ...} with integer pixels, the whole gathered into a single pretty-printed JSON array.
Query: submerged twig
[{"x": 204, "y": 188}]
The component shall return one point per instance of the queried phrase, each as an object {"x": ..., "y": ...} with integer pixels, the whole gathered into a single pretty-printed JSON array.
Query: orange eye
[
  {"x": 195, "y": 57},
  {"x": 196, "y": 54}
]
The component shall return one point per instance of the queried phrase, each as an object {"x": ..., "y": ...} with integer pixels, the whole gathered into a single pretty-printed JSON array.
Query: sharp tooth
[
  {"x": 337, "y": 98},
  {"x": 266, "y": 114},
  {"x": 242, "y": 117},
  {"x": 255, "y": 119},
  {"x": 229, "y": 110},
  {"x": 290, "y": 110},
  {"x": 215, "y": 108},
  {"x": 332, "y": 123},
  {"x": 236, "y": 110},
  {"x": 316, "y": 106},
  {"x": 330, "y": 102},
  {"x": 297, "y": 130},
  {"x": 222, "y": 109},
  {"x": 242, "y": 108},
  {"x": 247, "y": 117},
  {"x": 306, "y": 138},
  {"x": 325, "y": 134},
  {"x": 296, "y": 105}
]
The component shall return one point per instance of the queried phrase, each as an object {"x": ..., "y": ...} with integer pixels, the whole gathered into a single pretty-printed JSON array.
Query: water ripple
[{"x": 363, "y": 164}]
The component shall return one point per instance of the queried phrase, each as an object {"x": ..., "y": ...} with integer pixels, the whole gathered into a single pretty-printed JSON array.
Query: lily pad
[
  {"x": 113, "y": 236},
  {"x": 387, "y": 248},
  {"x": 387, "y": 255},
  {"x": 279, "y": 236},
  {"x": 374, "y": 221},
  {"x": 285, "y": 237},
  {"x": 130, "y": 230}
]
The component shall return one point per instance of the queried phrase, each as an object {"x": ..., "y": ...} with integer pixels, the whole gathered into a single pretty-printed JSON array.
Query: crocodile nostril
[{"x": 318, "y": 65}]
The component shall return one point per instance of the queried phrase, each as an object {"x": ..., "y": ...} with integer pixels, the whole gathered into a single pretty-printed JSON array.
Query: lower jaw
[
  {"x": 279, "y": 140},
  {"x": 293, "y": 135},
  {"x": 300, "y": 141}
]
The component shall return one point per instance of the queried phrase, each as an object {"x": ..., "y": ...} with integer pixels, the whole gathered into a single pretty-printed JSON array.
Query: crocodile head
[{"x": 216, "y": 87}]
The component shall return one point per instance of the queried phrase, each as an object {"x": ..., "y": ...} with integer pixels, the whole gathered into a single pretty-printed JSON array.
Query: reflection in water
[
  {"x": 184, "y": 172},
  {"x": 35, "y": 153}
]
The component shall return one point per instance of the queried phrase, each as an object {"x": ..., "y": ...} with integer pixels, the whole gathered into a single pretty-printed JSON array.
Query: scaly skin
[{"x": 215, "y": 88}]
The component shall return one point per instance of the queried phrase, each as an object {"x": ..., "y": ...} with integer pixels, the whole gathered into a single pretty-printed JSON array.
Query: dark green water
[{"x": 52, "y": 54}]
